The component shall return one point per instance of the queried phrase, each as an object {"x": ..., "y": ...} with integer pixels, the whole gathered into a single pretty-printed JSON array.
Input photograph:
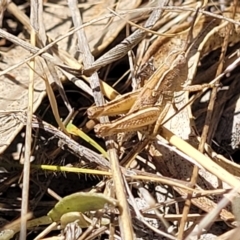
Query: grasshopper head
[{"x": 180, "y": 59}]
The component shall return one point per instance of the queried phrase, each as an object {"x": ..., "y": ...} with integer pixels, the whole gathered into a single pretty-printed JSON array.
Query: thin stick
[
  {"x": 28, "y": 139},
  {"x": 209, "y": 129},
  {"x": 124, "y": 218}
]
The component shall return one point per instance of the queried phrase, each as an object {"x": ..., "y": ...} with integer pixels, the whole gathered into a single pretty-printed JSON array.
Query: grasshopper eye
[{"x": 180, "y": 60}]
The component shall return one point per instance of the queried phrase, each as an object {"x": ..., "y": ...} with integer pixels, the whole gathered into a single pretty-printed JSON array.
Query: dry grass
[{"x": 58, "y": 61}]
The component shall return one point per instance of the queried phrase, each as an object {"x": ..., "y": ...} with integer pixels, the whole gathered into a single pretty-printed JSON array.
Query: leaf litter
[{"x": 157, "y": 181}]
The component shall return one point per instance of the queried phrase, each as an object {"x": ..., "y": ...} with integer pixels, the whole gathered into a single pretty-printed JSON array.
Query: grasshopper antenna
[{"x": 189, "y": 42}]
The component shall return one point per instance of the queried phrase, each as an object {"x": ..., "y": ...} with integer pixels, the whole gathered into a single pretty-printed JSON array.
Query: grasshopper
[{"x": 148, "y": 106}]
